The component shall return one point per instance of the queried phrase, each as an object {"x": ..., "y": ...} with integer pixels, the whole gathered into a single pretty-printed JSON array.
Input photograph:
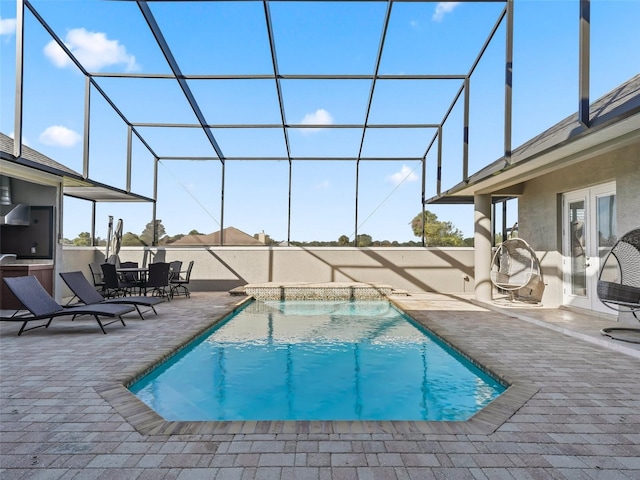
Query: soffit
[{"x": 615, "y": 123}]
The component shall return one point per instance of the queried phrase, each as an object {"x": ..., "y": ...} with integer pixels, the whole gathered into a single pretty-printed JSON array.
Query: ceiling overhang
[
  {"x": 98, "y": 192},
  {"x": 73, "y": 185}
]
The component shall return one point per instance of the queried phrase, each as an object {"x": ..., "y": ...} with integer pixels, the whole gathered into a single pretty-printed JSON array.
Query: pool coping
[{"x": 148, "y": 422}]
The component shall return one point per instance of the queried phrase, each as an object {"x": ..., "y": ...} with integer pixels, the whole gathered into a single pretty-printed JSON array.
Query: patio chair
[
  {"x": 96, "y": 274},
  {"x": 158, "y": 280},
  {"x": 515, "y": 269},
  {"x": 181, "y": 283},
  {"x": 114, "y": 286},
  {"x": 82, "y": 289},
  {"x": 174, "y": 269},
  {"x": 130, "y": 277},
  {"x": 42, "y": 306},
  {"x": 619, "y": 280}
]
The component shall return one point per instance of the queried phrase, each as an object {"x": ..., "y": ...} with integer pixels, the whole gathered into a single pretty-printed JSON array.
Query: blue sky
[{"x": 310, "y": 38}]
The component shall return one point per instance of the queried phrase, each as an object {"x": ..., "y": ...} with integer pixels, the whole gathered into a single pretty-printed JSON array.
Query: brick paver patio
[{"x": 577, "y": 414}]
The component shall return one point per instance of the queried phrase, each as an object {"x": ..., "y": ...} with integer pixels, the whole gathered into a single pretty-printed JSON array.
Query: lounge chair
[
  {"x": 43, "y": 307},
  {"x": 85, "y": 293}
]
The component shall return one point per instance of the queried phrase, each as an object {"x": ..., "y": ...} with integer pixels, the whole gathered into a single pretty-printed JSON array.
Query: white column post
[{"x": 482, "y": 247}]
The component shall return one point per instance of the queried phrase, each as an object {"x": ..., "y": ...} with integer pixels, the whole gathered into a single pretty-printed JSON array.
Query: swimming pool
[{"x": 317, "y": 360}]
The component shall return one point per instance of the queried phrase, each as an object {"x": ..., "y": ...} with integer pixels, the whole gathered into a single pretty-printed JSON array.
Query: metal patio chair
[
  {"x": 114, "y": 285},
  {"x": 180, "y": 284},
  {"x": 131, "y": 277},
  {"x": 619, "y": 281},
  {"x": 158, "y": 280},
  {"x": 174, "y": 269},
  {"x": 97, "y": 277}
]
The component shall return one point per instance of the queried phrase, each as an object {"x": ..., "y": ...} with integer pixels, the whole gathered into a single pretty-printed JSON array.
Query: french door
[{"x": 588, "y": 232}]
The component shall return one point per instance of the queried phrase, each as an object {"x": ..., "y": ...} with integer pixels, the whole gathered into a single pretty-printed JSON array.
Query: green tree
[
  {"x": 193, "y": 232},
  {"x": 82, "y": 240},
  {"x": 343, "y": 240},
  {"x": 147, "y": 234},
  {"x": 364, "y": 240},
  {"x": 437, "y": 233},
  {"x": 131, "y": 240}
]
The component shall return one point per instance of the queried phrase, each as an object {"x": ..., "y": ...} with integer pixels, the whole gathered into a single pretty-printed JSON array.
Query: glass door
[{"x": 589, "y": 231}]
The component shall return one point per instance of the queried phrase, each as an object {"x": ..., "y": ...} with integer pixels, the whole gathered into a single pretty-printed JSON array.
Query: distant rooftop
[{"x": 232, "y": 236}]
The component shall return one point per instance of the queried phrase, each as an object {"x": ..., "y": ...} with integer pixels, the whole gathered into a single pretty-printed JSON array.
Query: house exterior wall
[
  {"x": 540, "y": 207},
  {"x": 446, "y": 270}
]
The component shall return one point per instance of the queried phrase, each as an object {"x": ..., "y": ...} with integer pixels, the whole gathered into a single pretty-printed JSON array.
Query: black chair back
[
  {"x": 112, "y": 284},
  {"x": 158, "y": 275},
  {"x": 130, "y": 277},
  {"x": 179, "y": 286},
  {"x": 158, "y": 280},
  {"x": 188, "y": 275},
  {"x": 96, "y": 274},
  {"x": 110, "y": 276},
  {"x": 174, "y": 269}
]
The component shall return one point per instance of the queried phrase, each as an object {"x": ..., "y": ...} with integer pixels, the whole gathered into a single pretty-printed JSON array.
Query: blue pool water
[{"x": 317, "y": 360}]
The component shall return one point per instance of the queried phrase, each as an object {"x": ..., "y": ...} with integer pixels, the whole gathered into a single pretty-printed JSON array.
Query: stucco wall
[
  {"x": 540, "y": 212},
  {"x": 448, "y": 270}
]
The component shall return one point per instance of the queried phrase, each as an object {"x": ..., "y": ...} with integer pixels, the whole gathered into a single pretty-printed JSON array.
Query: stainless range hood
[
  {"x": 11, "y": 213},
  {"x": 17, "y": 214}
]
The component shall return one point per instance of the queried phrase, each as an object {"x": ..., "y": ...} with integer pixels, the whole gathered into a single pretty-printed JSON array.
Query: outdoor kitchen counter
[{"x": 42, "y": 271}]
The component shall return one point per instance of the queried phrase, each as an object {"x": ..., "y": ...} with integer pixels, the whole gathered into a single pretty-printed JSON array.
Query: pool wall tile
[{"x": 318, "y": 292}]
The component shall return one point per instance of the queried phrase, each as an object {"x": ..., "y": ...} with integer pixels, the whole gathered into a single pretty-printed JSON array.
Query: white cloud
[
  {"x": 92, "y": 49},
  {"x": 442, "y": 8},
  {"x": 60, "y": 136},
  {"x": 405, "y": 174},
  {"x": 7, "y": 26},
  {"x": 319, "y": 117},
  {"x": 413, "y": 23}
]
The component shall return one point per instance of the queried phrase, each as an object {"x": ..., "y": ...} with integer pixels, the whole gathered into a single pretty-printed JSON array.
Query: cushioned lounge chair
[
  {"x": 85, "y": 293},
  {"x": 42, "y": 306}
]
